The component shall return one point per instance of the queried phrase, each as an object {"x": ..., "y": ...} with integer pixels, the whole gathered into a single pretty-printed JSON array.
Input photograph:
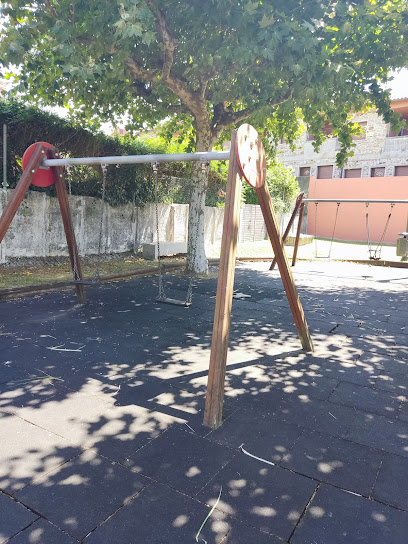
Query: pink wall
[{"x": 351, "y": 220}]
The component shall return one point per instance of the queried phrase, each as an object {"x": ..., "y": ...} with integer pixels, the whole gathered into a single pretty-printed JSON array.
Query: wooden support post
[
  {"x": 223, "y": 304},
  {"x": 21, "y": 189},
  {"x": 63, "y": 201},
  {"x": 271, "y": 223},
  {"x": 289, "y": 225},
  {"x": 299, "y": 228}
]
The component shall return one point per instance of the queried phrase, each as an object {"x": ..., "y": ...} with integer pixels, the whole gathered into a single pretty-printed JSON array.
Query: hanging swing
[
  {"x": 95, "y": 278},
  {"x": 162, "y": 295},
  {"x": 332, "y": 236},
  {"x": 375, "y": 254}
]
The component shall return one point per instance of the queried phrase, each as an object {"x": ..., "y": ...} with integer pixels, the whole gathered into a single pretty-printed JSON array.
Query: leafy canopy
[
  {"x": 282, "y": 184},
  {"x": 208, "y": 64}
]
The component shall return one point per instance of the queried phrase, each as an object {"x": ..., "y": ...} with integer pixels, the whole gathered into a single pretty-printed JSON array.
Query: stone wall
[
  {"x": 375, "y": 150},
  {"x": 37, "y": 231}
]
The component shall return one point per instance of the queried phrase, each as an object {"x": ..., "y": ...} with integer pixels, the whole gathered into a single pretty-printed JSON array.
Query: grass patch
[{"x": 38, "y": 275}]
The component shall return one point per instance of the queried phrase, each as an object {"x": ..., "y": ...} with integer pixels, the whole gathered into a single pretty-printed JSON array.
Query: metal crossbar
[
  {"x": 351, "y": 200},
  {"x": 141, "y": 159}
]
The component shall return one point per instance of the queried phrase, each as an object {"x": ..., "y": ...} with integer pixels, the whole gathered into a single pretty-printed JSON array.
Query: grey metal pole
[
  {"x": 141, "y": 159},
  {"x": 352, "y": 200},
  {"x": 5, "y": 184}
]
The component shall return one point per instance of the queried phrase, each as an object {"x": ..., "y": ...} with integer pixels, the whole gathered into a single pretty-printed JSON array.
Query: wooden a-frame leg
[
  {"x": 299, "y": 228},
  {"x": 272, "y": 227},
  {"x": 290, "y": 223},
  {"x": 223, "y": 301},
  {"x": 63, "y": 201},
  {"x": 21, "y": 189}
]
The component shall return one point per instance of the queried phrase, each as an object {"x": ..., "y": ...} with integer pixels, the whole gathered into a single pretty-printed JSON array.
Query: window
[
  {"x": 378, "y": 172},
  {"x": 304, "y": 171},
  {"x": 352, "y": 173},
  {"x": 327, "y": 130},
  {"x": 362, "y": 135},
  {"x": 402, "y": 132},
  {"x": 401, "y": 171},
  {"x": 325, "y": 172}
]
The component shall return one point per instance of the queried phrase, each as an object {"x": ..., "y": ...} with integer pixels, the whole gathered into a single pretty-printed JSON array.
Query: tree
[
  {"x": 209, "y": 65},
  {"x": 283, "y": 187}
]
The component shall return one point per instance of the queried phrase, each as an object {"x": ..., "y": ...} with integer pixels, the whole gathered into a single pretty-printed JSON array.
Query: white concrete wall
[{"x": 37, "y": 231}]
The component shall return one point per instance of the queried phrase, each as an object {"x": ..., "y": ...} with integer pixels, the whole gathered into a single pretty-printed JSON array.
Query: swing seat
[{"x": 174, "y": 301}]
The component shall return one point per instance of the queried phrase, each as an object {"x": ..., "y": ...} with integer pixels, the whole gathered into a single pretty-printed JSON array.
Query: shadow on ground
[{"x": 101, "y": 408}]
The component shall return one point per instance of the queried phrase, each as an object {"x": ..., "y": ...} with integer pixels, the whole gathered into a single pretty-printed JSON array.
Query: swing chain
[
  {"x": 104, "y": 168},
  {"x": 155, "y": 168},
  {"x": 375, "y": 254},
  {"x": 334, "y": 228},
  {"x": 332, "y": 236},
  {"x": 315, "y": 228}
]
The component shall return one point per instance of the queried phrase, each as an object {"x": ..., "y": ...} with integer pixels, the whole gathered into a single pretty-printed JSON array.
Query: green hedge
[{"x": 126, "y": 183}]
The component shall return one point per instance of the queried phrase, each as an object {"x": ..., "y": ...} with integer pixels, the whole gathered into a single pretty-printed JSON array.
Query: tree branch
[
  {"x": 204, "y": 80},
  {"x": 169, "y": 45},
  {"x": 139, "y": 72},
  {"x": 224, "y": 116},
  {"x": 51, "y": 9},
  {"x": 178, "y": 108},
  {"x": 189, "y": 98}
]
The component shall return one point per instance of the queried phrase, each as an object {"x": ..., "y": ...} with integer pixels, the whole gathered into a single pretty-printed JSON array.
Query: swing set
[
  {"x": 374, "y": 252},
  {"x": 43, "y": 167}
]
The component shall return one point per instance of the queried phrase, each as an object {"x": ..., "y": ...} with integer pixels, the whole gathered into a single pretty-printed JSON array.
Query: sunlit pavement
[{"x": 101, "y": 408}]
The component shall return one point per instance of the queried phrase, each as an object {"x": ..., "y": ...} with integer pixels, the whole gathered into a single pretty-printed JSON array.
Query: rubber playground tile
[
  {"x": 93, "y": 487},
  {"x": 27, "y": 452},
  {"x": 321, "y": 367},
  {"x": 384, "y": 364},
  {"x": 317, "y": 415},
  {"x": 337, "y": 516},
  {"x": 30, "y": 390},
  {"x": 242, "y": 426},
  {"x": 266, "y": 497},
  {"x": 391, "y": 486},
  {"x": 35, "y": 360},
  {"x": 303, "y": 384},
  {"x": 339, "y": 462},
  {"x": 91, "y": 421},
  {"x": 9, "y": 374},
  {"x": 243, "y": 534},
  {"x": 366, "y": 399},
  {"x": 160, "y": 515},
  {"x": 267, "y": 437},
  {"x": 394, "y": 383},
  {"x": 158, "y": 395},
  {"x": 379, "y": 432},
  {"x": 403, "y": 413},
  {"x": 181, "y": 460},
  {"x": 14, "y": 517},
  {"x": 42, "y": 532}
]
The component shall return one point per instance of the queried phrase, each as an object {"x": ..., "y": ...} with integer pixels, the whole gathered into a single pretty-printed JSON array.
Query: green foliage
[
  {"x": 127, "y": 183},
  {"x": 282, "y": 184},
  {"x": 208, "y": 65}
]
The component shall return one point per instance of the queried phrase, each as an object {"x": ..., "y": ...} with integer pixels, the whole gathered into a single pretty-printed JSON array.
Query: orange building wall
[{"x": 351, "y": 219}]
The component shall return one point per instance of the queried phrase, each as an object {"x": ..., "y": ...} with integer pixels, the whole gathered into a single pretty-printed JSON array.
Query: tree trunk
[{"x": 196, "y": 258}]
